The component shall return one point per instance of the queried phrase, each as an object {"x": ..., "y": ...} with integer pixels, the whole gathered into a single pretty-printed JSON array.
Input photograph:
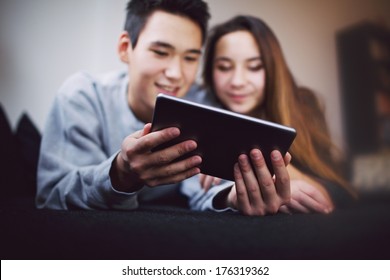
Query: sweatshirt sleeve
[
  {"x": 74, "y": 166},
  {"x": 200, "y": 200}
]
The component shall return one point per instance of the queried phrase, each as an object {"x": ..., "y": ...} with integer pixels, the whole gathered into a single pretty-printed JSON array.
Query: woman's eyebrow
[
  {"x": 222, "y": 58},
  {"x": 225, "y": 58},
  {"x": 254, "y": 58}
]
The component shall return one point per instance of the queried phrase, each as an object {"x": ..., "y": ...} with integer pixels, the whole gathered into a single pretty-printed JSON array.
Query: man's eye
[
  {"x": 191, "y": 58},
  {"x": 160, "y": 53}
]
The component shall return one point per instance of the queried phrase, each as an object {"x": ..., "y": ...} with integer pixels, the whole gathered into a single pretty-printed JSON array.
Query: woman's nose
[{"x": 238, "y": 78}]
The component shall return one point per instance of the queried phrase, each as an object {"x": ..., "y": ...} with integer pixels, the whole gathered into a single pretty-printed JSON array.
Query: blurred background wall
[{"x": 42, "y": 42}]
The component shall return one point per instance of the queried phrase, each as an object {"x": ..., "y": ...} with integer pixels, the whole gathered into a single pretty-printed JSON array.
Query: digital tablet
[{"x": 221, "y": 135}]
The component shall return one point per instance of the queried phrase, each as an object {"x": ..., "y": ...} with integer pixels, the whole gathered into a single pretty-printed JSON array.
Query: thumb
[{"x": 147, "y": 129}]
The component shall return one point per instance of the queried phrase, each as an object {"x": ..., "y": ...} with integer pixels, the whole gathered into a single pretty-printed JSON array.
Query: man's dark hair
[{"x": 138, "y": 12}]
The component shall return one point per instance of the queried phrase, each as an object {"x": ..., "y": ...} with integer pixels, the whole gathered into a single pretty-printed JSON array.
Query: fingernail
[
  {"x": 275, "y": 155},
  {"x": 242, "y": 159},
  {"x": 197, "y": 160},
  {"x": 191, "y": 145},
  {"x": 255, "y": 154},
  {"x": 174, "y": 132}
]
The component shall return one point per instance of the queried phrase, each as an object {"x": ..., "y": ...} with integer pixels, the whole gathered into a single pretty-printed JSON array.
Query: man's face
[{"x": 165, "y": 59}]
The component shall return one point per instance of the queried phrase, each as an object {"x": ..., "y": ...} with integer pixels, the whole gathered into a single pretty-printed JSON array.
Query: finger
[
  {"x": 298, "y": 207},
  {"x": 251, "y": 182},
  {"x": 217, "y": 181},
  {"x": 242, "y": 197},
  {"x": 314, "y": 205},
  {"x": 147, "y": 128},
  {"x": 176, "y": 178},
  {"x": 315, "y": 199},
  {"x": 208, "y": 182},
  {"x": 285, "y": 209},
  {"x": 153, "y": 139},
  {"x": 138, "y": 134},
  {"x": 167, "y": 155},
  {"x": 314, "y": 192},
  {"x": 282, "y": 178},
  {"x": 202, "y": 178},
  {"x": 265, "y": 181},
  {"x": 287, "y": 158},
  {"x": 171, "y": 169}
]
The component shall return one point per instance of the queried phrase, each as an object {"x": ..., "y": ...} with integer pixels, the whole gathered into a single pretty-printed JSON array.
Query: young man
[{"x": 96, "y": 148}]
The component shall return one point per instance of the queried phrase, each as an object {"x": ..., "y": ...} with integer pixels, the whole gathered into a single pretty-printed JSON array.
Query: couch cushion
[
  {"x": 28, "y": 139},
  {"x": 10, "y": 176}
]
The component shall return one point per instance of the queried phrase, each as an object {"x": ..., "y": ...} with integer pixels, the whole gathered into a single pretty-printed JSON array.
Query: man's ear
[{"x": 124, "y": 47}]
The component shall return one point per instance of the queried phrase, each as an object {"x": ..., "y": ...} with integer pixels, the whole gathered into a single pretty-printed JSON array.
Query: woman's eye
[
  {"x": 223, "y": 68},
  {"x": 256, "y": 68}
]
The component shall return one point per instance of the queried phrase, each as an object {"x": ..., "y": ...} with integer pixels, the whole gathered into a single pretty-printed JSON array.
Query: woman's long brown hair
[{"x": 284, "y": 102}]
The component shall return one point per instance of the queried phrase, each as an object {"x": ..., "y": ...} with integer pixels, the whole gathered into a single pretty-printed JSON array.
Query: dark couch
[
  {"x": 173, "y": 232},
  {"x": 168, "y": 230}
]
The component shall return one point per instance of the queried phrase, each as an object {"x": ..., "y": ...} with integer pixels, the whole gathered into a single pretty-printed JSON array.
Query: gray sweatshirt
[{"x": 88, "y": 121}]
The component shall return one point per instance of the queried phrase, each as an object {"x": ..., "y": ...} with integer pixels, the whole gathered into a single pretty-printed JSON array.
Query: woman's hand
[
  {"x": 207, "y": 181},
  {"x": 307, "y": 195},
  {"x": 256, "y": 192}
]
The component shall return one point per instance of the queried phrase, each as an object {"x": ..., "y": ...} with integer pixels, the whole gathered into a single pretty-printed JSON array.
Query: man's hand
[{"x": 136, "y": 166}]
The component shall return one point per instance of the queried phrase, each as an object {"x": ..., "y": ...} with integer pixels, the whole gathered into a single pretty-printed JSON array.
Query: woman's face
[{"x": 238, "y": 73}]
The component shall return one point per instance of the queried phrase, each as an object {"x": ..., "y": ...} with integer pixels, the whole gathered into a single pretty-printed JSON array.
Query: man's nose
[{"x": 174, "y": 69}]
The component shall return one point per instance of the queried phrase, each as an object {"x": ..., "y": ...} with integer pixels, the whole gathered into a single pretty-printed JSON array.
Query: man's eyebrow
[
  {"x": 195, "y": 51},
  {"x": 162, "y": 44},
  {"x": 169, "y": 46}
]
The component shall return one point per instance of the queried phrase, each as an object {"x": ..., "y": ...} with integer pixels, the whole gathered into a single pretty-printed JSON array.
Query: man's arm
[{"x": 73, "y": 169}]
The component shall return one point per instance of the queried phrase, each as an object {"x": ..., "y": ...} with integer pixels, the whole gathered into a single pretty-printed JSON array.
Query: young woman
[{"x": 245, "y": 72}]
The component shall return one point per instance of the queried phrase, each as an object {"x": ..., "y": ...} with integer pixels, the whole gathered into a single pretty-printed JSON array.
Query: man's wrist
[{"x": 121, "y": 180}]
